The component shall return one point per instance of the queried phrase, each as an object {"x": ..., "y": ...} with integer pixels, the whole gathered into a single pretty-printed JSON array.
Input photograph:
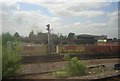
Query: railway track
[
  {"x": 56, "y": 57},
  {"x": 41, "y": 70},
  {"x": 111, "y": 78}
]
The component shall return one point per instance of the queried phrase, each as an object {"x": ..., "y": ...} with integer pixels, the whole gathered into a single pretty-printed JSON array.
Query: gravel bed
[
  {"x": 35, "y": 69},
  {"x": 89, "y": 77}
]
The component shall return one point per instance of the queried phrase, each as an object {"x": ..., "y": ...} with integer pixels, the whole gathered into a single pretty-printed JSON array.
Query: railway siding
[
  {"x": 56, "y": 57},
  {"x": 98, "y": 76},
  {"x": 36, "y": 68}
]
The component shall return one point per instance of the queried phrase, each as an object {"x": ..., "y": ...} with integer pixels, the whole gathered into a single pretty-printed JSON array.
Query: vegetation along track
[{"x": 56, "y": 57}]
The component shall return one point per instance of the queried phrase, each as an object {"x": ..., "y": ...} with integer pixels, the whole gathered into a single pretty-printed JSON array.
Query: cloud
[
  {"x": 112, "y": 23},
  {"x": 6, "y": 6},
  {"x": 75, "y": 9},
  {"x": 14, "y": 19},
  {"x": 28, "y": 21},
  {"x": 88, "y": 13},
  {"x": 109, "y": 28},
  {"x": 60, "y": 1},
  {"x": 80, "y": 28}
]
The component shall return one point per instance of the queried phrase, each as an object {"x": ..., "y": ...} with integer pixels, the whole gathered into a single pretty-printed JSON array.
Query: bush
[
  {"x": 75, "y": 67},
  {"x": 10, "y": 62},
  {"x": 66, "y": 57},
  {"x": 10, "y": 57},
  {"x": 0, "y": 64},
  {"x": 7, "y": 37}
]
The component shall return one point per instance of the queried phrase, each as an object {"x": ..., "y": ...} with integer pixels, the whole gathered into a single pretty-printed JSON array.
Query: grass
[
  {"x": 10, "y": 62},
  {"x": 74, "y": 68},
  {"x": 61, "y": 74}
]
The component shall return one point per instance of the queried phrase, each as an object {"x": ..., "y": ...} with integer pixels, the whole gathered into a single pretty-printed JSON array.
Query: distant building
[
  {"x": 88, "y": 39},
  {"x": 102, "y": 37}
]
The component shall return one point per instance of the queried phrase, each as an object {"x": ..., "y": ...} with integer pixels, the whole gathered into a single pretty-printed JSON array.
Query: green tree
[
  {"x": 39, "y": 33},
  {"x": 71, "y": 35},
  {"x": 0, "y": 56},
  {"x": 31, "y": 34},
  {"x": 16, "y": 34},
  {"x": 10, "y": 57},
  {"x": 7, "y": 37},
  {"x": 1, "y": 40}
]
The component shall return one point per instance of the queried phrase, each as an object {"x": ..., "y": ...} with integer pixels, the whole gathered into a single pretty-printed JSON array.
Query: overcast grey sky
[{"x": 97, "y": 18}]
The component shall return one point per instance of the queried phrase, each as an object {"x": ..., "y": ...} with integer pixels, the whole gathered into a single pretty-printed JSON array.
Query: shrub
[
  {"x": 10, "y": 57},
  {"x": 0, "y": 64},
  {"x": 75, "y": 67},
  {"x": 66, "y": 57},
  {"x": 7, "y": 37},
  {"x": 10, "y": 62}
]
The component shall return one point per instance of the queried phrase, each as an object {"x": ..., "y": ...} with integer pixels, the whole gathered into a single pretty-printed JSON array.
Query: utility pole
[{"x": 48, "y": 29}]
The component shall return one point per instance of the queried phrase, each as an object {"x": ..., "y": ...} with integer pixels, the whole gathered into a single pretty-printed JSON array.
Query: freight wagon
[
  {"x": 73, "y": 49},
  {"x": 88, "y": 49}
]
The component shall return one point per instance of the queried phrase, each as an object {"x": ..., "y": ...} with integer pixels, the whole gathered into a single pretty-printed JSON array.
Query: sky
[{"x": 95, "y": 18}]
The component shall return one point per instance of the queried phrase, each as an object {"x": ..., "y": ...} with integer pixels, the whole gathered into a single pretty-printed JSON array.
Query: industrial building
[{"x": 89, "y": 39}]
